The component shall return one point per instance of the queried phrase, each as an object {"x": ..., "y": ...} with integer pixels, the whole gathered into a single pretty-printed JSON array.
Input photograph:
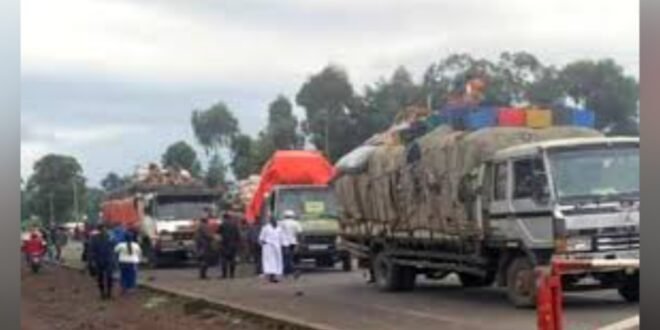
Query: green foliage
[
  {"x": 242, "y": 163},
  {"x": 214, "y": 127},
  {"x": 282, "y": 129},
  {"x": 93, "y": 206},
  {"x": 215, "y": 175},
  {"x": 328, "y": 99},
  {"x": 182, "y": 155},
  {"x": 112, "y": 181},
  {"x": 52, "y": 186},
  {"x": 602, "y": 86}
]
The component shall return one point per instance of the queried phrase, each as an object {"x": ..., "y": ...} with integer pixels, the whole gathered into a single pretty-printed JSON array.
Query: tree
[
  {"x": 214, "y": 127},
  {"x": 182, "y": 155},
  {"x": 215, "y": 175},
  {"x": 282, "y": 126},
  {"x": 242, "y": 163},
  {"x": 327, "y": 98},
  {"x": 603, "y": 87},
  {"x": 93, "y": 205},
  {"x": 385, "y": 99},
  {"x": 56, "y": 187},
  {"x": 112, "y": 181}
]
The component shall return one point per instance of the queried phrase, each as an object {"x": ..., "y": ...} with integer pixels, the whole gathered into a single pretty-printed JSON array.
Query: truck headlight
[{"x": 576, "y": 244}]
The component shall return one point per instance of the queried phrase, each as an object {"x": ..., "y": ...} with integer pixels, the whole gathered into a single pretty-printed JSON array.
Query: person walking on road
[
  {"x": 290, "y": 229},
  {"x": 255, "y": 246},
  {"x": 204, "y": 246},
  {"x": 60, "y": 240},
  {"x": 128, "y": 253},
  {"x": 230, "y": 241},
  {"x": 271, "y": 238},
  {"x": 103, "y": 257}
]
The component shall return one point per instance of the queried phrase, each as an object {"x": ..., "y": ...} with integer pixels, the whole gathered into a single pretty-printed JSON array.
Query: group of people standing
[
  {"x": 106, "y": 251},
  {"x": 219, "y": 247},
  {"x": 272, "y": 245}
]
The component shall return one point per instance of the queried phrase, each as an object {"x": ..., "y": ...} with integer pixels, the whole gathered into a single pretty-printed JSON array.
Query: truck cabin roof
[{"x": 536, "y": 147}]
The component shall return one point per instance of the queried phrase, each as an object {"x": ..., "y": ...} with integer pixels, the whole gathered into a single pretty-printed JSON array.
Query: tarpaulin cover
[
  {"x": 289, "y": 167},
  {"x": 120, "y": 212},
  {"x": 423, "y": 191}
]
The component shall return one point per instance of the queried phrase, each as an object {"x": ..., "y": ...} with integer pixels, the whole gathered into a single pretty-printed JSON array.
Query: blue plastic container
[
  {"x": 456, "y": 116},
  {"x": 481, "y": 117},
  {"x": 584, "y": 118},
  {"x": 575, "y": 117}
]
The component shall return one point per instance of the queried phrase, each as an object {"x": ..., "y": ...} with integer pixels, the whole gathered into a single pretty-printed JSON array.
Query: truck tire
[
  {"x": 473, "y": 281},
  {"x": 521, "y": 284},
  {"x": 346, "y": 263},
  {"x": 408, "y": 278},
  {"x": 387, "y": 274},
  {"x": 629, "y": 290}
]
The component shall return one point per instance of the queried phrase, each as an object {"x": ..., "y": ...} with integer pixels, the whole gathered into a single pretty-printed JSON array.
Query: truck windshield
[
  {"x": 308, "y": 203},
  {"x": 182, "y": 207},
  {"x": 597, "y": 173}
]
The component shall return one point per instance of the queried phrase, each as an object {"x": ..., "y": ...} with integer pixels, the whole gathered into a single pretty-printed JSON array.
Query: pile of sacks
[
  {"x": 247, "y": 188},
  {"x": 154, "y": 175}
]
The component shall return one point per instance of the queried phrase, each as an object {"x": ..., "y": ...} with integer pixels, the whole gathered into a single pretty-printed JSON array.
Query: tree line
[{"x": 338, "y": 117}]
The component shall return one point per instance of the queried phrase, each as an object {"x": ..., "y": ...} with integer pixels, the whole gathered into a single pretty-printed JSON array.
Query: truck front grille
[
  {"x": 617, "y": 242},
  {"x": 319, "y": 239}
]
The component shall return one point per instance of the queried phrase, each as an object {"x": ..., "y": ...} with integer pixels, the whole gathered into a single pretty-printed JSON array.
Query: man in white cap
[{"x": 291, "y": 229}]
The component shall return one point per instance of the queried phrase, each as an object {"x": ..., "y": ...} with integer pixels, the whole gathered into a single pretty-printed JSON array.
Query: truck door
[
  {"x": 499, "y": 209},
  {"x": 533, "y": 214}
]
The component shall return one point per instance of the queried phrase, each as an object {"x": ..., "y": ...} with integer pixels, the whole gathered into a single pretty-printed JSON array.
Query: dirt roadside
[{"x": 60, "y": 298}]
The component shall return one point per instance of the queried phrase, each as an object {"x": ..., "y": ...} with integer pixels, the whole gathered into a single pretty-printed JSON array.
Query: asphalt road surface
[{"x": 343, "y": 300}]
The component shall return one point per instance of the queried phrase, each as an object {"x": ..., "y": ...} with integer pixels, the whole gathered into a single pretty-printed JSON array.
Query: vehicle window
[
  {"x": 523, "y": 176},
  {"x": 499, "y": 181}
]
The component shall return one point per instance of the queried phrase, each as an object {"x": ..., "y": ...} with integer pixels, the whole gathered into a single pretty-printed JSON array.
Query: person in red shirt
[{"x": 34, "y": 245}]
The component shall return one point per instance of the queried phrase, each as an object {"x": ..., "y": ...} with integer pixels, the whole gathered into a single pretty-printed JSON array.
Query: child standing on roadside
[{"x": 128, "y": 253}]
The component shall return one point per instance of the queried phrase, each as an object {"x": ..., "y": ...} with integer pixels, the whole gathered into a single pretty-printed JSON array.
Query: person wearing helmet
[{"x": 291, "y": 229}]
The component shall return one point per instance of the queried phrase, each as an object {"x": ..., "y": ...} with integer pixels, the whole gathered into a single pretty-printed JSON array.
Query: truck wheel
[
  {"x": 521, "y": 285},
  {"x": 388, "y": 276},
  {"x": 408, "y": 277},
  {"x": 347, "y": 263},
  {"x": 473, "y": 281},
  {"x": 629, "y": 290}
]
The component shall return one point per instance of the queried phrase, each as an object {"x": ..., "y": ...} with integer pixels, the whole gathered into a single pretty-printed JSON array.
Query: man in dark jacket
[
  {"x": 101, "y": 252},
  {"x": 205, "y": 247},
  {"x": 230, "y": 237}
]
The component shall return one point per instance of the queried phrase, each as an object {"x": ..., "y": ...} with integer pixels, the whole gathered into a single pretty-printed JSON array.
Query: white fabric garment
[
  {"x": 271, "y": 239},
  {"x": 290, "y": 228},
  {"x": 124, "y": 257}
]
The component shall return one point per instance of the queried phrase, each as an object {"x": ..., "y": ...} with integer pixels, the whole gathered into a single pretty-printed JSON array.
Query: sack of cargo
[
  {"x": 539, "y": 118},
  {"x": 356, "y": 160},
  {"x": 481, "y": 117},
  {"x": 511, "y": 117}
]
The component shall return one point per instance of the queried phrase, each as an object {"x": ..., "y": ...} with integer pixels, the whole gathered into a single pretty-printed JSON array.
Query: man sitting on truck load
[{"x": 291, "y": 228}]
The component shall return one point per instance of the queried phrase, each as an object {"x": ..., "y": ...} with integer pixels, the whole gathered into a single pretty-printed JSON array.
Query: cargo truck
[
  {"x": 164, "y": 216},
  {"x": 297, "y": 180},
  {"x": 494, "y": 204}
]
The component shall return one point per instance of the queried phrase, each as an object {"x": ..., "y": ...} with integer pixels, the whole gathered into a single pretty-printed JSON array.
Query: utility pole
[{"x": 327, "y": 132}]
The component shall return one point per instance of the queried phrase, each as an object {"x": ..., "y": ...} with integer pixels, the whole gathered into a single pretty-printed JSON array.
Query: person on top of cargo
[
  {"x": 204, "y": 247},
  {"x": 271, "y": 238},
  {"x": 230, "y": 241},
  {"x": 290, "y": 229}
]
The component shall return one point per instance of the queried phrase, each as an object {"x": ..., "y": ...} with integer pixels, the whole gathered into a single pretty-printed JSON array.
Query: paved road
[{"x": 344, "y": 301}]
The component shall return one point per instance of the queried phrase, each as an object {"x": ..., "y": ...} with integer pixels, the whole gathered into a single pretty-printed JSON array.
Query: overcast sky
[{"x": 113, "y": 82}]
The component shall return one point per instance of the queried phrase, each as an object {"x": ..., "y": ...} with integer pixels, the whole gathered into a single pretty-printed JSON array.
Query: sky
[{"x": 113, "y": 82}]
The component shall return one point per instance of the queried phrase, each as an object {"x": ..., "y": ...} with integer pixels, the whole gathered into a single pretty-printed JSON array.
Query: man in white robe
[{"x": 271, "y": 239}]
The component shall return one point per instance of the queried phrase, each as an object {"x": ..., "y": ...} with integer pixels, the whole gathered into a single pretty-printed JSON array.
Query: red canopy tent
[{"x": 289, "y": 167}]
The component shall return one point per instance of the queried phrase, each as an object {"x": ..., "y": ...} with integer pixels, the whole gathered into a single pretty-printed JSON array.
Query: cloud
[{"x": 114, "y": 81}]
